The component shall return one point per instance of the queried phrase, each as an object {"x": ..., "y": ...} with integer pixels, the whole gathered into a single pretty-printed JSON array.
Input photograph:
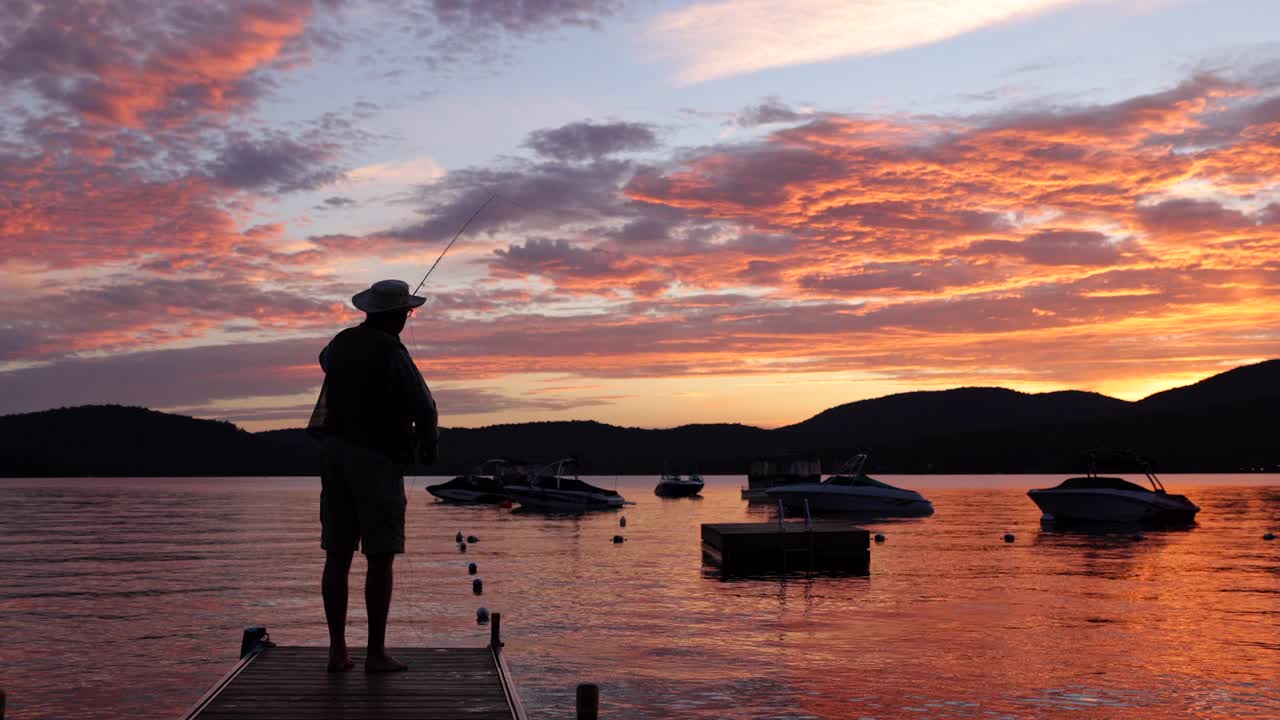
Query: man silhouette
[{"x": 374, "y": 414}]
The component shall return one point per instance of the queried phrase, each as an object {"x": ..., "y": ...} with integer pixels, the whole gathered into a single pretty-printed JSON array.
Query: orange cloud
[
  {"x": 1089, "y": 247},
  {"x": 145, "y": 65}
]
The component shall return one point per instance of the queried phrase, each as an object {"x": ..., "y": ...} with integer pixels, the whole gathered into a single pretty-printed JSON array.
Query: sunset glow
[{"x": 698, "y": 219}]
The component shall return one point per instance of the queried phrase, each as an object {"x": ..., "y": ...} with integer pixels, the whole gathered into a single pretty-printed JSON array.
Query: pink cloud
[
  {"x": 1060, "y": 245},
  {"x": 138, "y": 64}
]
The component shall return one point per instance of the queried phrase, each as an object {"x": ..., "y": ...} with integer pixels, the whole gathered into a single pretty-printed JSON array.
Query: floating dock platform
[
  {"x": 290, "y": 683},
  {"x": 747, "y": 548}
]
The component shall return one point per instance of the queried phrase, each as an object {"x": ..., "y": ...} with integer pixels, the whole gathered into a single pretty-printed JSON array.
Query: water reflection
[{"x": 126, "y": 598}]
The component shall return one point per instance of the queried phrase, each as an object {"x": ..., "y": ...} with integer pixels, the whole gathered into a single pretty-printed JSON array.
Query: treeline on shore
[{"x": 1227, "y": 423}]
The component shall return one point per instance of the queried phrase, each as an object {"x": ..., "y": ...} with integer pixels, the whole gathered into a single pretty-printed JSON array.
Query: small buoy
[
  {"x": 458, "y": 537},
  {"x": 622, "y": 521},
  {"x": 462, "y": 547},
  {"x": 505, "y": 504},
  {"x": 1008, "y": 537},
  {"x": 879, "y": 537},
  {"x": 477, "y": 587},
  {"x": 618, "y": 539},
  {"x": 482, "y": 616},
  {"x": 472, "y": 539},
  {"x": 471, "y": 569},
  {"x": 1269, "y": 536},
  {"x": 1139, "y": 536}
]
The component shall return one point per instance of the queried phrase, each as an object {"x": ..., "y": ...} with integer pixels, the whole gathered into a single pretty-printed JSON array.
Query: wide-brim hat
[{"x": 386, "y": 295}]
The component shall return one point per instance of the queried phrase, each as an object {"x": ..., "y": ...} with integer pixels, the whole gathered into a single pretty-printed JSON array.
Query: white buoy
[
  {"x": 622, "y": 521},
  {"x": 1008, "y": 537},
  {"x": 482, "y": 616},
  {"x": 879, "y": 538},
  {"x": 618, "y": 539},
  {"x": 477, "y": 587},
  {"x": 471, "y": 569}
]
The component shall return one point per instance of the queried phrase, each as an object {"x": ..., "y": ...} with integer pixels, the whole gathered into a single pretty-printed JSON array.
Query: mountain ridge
[{"x": 1223, "y": 423}]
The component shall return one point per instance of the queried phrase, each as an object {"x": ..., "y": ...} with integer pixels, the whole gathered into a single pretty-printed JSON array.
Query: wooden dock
[
  {"x": 747, "y": 548},
  {"x": 290, "y": 683}
]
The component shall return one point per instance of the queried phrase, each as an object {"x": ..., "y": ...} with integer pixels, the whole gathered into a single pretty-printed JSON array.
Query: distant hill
[
  {"x": 111, "y": 440},
  {"x": 1241, "y": 386},
  {"x": 1226, "y": 423},
  {"x": 922, "y": 414}
]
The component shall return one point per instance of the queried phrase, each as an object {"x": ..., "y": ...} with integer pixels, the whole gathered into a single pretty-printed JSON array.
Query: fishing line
[
  {"x": 417, "y": 349},
  {"x": 414, "y": 620}
]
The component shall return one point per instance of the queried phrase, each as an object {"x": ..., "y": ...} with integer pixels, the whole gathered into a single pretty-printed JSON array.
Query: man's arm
[
  {"x": 421, "y": 406},
  {"x": 320, "y": 413}
]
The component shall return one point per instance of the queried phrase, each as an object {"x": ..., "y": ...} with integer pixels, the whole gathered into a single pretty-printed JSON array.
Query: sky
[{"x": 697, "y": 211}]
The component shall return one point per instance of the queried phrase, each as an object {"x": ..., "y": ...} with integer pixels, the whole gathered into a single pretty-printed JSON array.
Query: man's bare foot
[
  {"x": 340, "y": 661},
  {"x": 383, "y": 663}
]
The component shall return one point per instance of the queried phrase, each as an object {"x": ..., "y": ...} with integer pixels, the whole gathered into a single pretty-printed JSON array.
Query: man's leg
[
  {"x": 377, "y": 599},
  {"x": 333, "y": 586}
]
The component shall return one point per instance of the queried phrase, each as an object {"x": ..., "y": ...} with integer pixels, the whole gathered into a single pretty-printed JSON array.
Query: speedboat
[
  {"x": 677, "y": 486},
  {"x": 767, "y": 472},
  {"x": 486, "y": 484},
  {"x": 550, "y": 489},
  {"x": 1097, "y": 499},
  {"x": 852, "y": 492}
]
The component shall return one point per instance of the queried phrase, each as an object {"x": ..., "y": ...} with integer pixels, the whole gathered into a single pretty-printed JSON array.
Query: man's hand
[{"x": 425, "y": 451}]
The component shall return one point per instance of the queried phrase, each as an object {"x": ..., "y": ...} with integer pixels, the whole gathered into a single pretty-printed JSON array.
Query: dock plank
[{"x": 291, "y": 683}]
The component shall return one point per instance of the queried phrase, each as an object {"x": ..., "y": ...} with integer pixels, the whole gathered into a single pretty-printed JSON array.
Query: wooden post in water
[
  {"x": 588, "y": 702},
  {"x": 495, "y": 631}
]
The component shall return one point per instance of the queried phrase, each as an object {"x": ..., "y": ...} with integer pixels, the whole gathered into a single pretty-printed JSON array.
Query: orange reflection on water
[{"x": 126, "y": 598}]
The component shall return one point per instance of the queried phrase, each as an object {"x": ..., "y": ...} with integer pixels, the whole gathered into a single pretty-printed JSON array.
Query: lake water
[{"x": 126, "y": 598}]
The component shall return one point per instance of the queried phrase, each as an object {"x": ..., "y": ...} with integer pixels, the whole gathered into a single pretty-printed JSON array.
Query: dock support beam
[
  {"x": 253, "y": 638},
  {"x": 495, "y": 631},
  {"x": 588, "y": 702}
]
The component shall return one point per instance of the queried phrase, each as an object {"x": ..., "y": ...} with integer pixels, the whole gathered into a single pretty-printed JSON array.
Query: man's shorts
[{"x": 362, "y": 500}]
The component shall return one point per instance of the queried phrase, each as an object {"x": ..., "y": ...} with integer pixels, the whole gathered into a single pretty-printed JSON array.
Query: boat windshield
[
  {"x": 1100, "y": 483},
  {"x": 856, "y": 481}
]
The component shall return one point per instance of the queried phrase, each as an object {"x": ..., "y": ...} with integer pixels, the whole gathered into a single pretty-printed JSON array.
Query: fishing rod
[{"x": 454, "y": 239}]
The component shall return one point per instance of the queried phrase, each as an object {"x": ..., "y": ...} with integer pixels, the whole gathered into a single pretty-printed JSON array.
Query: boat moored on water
[
  {"x": 485, "y": 485},
  {"x": 1095, "y": 499},
  {"x": 674, "y": 485},
  {"x": 552, "y": 490},
  {"x": 850, "y": 491},
  {"x": 767, "y": 472}
]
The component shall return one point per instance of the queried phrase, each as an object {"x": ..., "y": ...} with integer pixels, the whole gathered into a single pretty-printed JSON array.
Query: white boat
[
  {"x": 550, "y": 489},
  {"x": 851, "y": 492},
  {"x": 677, "y": 486},
  {"x": 486, "y": 484},
  {"x": 1111, "y": 500}
]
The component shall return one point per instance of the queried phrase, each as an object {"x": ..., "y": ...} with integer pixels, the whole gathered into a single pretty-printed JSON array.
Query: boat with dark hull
[
  {"x": 676, "y": 486},
  {"x": 767, "y": 472},
  {"x": 1096, "y": 499},
  {"x": 485, "y": 485},
  {"x": 551, "y": 489}
]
